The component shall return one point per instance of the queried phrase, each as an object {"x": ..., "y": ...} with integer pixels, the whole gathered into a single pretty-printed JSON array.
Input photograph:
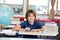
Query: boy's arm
[
  {"x": 37, "y": 30},
  {"x": 18, "y": 27},
  {"x": 42, "y": 29}
]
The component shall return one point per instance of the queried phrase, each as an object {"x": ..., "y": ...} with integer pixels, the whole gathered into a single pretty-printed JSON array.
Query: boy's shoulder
[
  {"x": 24, "y": 21},
  {"x": 36, "y": 21}
]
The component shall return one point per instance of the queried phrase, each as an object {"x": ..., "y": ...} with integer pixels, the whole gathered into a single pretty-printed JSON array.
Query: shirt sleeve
[
  {"x": 22, "y": 25},
  {"x": 39, "y": 25}
]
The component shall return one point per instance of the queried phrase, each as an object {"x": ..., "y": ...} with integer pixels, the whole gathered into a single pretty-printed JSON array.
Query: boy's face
[{"x": 31, "y": 17}]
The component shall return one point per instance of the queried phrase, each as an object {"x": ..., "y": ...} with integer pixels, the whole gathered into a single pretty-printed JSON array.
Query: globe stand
[{"x": 1, "y": 27}]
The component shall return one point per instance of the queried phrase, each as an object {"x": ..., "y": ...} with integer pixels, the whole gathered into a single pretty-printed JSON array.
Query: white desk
[
  {"x": 10, "y": 32},
  {"x": 48, "y": 31},
  {"x": 39, "y": 33}
]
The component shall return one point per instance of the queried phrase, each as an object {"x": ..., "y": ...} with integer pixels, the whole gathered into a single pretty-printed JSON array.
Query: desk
[
  {"x": 10, "y": 32},
  {"x": 41, "y": 35},
  {"x": 13, "y": 33},
  {"x": 38, "y": 33}
]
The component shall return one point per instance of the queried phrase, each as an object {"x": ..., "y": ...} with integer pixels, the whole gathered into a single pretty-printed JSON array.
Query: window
[
  {"x": 16, "y": 5},
  {"x": 59, "y": 7},
  {"x": 39, "y": 6},
  {"x": 1, "y": 1},
  {"x": 18, "y": 2}
]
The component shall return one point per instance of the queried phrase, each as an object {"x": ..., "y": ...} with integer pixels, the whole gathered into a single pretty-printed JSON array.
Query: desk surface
[
  {"x": 39, "y": 33},
  {"x": 10, "y": 32}
]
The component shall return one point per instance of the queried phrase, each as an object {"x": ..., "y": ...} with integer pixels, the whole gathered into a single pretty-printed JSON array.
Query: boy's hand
[
  {"x": 16, "y": 28},
  {"x": 27, "y": 28}
]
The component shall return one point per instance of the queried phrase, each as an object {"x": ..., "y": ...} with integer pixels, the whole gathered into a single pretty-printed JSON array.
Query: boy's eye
[{"x": 31, "y": 15}]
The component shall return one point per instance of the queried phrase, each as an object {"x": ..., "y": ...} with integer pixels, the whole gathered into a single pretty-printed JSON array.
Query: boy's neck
[{"x": 31, "y": 23}]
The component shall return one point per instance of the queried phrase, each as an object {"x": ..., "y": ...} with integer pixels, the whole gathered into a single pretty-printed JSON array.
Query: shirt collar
[{"x": 29, "y": 23}]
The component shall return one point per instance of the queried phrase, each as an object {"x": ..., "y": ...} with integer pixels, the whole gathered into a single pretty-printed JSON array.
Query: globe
[{"x": 6, "y": 14}]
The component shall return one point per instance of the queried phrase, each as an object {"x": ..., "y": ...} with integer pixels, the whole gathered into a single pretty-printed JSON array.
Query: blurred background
[{"x": 46, "y": 11}]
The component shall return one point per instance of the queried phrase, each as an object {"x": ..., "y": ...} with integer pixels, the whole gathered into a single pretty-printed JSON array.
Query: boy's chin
[{"x": 31, "y": 21}]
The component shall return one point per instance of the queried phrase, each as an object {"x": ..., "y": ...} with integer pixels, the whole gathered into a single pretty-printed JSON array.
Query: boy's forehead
[{"x": 30, "y": 14}]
